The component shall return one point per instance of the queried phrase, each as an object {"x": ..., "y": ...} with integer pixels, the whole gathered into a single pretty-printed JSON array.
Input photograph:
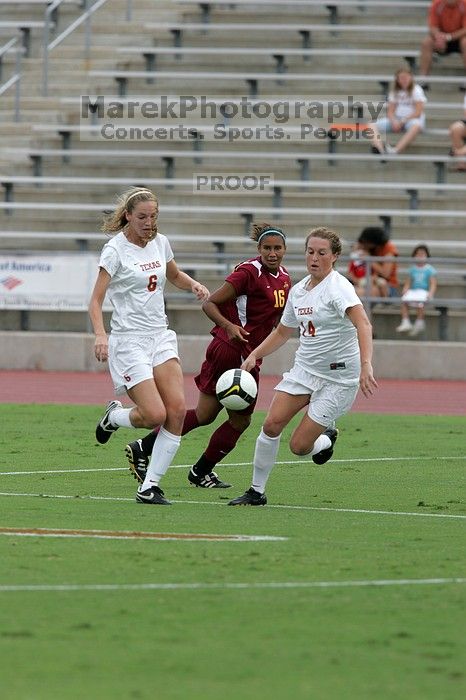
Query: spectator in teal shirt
[{"x": 419, "y": 287}]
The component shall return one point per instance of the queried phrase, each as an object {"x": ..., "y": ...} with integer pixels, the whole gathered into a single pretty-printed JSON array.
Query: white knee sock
[
  {"x": 165, "y": 448},
  {"x": 120, "y": 417},
  {"x": 264, "y": 459},
  {"x": 322, "y": 443}
]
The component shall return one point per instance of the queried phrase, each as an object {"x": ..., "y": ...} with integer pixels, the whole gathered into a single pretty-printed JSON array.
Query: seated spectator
[
  {"x": 405, "y": 114},
  {"x": 458, "y": 139},
  {"x": 384, "y": 275},
  {"x": 419, "y": 287},
  {"x": 357, "y": 267},
  {"x": 447, "y": 32}
]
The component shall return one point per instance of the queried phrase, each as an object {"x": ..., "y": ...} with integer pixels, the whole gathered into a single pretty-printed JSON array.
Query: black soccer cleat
[
  {"x": 324, "y": 455},
  {"x": 138, "y": 460},
  {"x": 208, "y": 481},
  {"x": 154, "y": 496},
  {"x": 250, "y": 498},
  {"x": 105, "y": 428}
]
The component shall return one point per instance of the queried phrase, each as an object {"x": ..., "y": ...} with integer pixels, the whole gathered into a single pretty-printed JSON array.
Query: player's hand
[
  {"x": 200, "y": 291},
  {"x": 440, "y": 42},
  {"x": 237, "y": 333},
  {"x": 367, "y": 381},
  {"x": 101, "y": 348},
  {"x": 249, "y": 363}
]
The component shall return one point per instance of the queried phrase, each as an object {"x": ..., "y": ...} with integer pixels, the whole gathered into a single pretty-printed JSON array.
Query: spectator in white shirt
[{"x": 405, "y": 114}]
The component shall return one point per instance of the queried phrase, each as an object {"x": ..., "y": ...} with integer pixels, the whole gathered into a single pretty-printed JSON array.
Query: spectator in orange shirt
[
  {"x": 447, "y": 32},
  {"x": 384, "y": 275}
]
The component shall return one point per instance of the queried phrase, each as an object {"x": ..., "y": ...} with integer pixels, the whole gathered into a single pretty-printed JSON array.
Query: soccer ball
[{"x": 236, "y": 389}]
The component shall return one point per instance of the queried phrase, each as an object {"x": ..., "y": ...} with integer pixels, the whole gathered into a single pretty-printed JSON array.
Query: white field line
[
  {"x": 235, "y": 464},
  {"x": 285, "y": 585},
  {"x": 217, "y": 503}
]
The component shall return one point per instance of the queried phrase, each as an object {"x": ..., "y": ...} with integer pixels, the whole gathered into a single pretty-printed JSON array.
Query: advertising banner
[{"x": 45, "y": 281}]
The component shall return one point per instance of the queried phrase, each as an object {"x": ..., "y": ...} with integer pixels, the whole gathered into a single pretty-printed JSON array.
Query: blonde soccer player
[{"x": 141, "y": 350}]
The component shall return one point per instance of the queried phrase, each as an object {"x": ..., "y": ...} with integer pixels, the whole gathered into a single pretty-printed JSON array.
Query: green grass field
[{"x": 345, "y": 607}]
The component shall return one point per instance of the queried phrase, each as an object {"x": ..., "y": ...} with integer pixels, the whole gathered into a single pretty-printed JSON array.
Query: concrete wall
[{"x": 397, "y": 359}]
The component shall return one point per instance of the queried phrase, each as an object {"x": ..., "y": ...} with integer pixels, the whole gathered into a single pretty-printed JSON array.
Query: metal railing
[
  {"x": 441, "y": 305},
  {"x": 50, "y": 19},
  {"x": 15, "y": 79},
  {"x": 85, "y": 18},
  {"x": 90, "y": 6}
]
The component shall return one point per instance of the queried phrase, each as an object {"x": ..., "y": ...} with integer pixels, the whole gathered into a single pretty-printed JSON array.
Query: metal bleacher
[{"x": 59, "y": 171}]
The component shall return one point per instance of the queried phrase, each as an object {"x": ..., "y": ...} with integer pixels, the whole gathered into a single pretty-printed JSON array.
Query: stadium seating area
[{"x": 64, "y": 158}]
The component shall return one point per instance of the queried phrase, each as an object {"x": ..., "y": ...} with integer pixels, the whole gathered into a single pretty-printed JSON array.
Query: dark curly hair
[
  {"x": 373, "y": 236},
  {"x": 257, "y": 229}
]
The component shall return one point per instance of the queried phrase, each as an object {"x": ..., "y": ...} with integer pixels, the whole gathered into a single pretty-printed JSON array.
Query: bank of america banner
[{"x": 46, "y": 281}]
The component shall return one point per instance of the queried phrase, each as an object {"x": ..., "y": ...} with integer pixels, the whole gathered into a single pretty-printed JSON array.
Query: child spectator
[
  {"x": 405, "y": 114},
  {"x": 419, "y": 288},
  {"x": 356, "y": 272}
]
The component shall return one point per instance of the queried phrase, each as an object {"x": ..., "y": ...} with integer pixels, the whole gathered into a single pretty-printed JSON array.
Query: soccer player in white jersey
[
  {"x": 244, "y": 310},
  {"x": 141, "y": 351},
  {"x": 333, "y": 360}
]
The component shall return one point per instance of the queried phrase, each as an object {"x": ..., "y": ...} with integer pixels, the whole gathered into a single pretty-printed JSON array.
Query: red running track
[{"x": 432, "y": 397}]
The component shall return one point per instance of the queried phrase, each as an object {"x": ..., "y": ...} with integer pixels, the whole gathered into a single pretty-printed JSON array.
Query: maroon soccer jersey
[{"x": 261, "y": 297}]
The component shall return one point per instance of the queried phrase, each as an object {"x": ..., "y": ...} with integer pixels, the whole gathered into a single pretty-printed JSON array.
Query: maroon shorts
[{"x": 218, "y": 358}]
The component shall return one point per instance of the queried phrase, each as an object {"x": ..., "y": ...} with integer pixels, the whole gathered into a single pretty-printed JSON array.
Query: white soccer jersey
[
  {"x": 405, "y": 102},
  {"x": 138, "y": 281},
  {"x": 328, "y": 345}
]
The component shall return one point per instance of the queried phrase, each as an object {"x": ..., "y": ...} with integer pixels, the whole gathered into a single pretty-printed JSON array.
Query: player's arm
[
  {"x": 274, "y": 340},
  {"x": 433, "y": 23},
  {"x": 432, "y": 286},
  {"x": 358, "y": 318},
  {"x": 383, "y": 269},
  {"x": 458, "y": 33},
  {"x": 406, "y": 286},
  {"x": 439, "y": 38},
  {"x": 96, "y": 314},
  {"x": 183, "y": 281},
  {"x": 435, "y": 32},
  {"x": 418, "y": 110},
  {"x": 391, "y": 113},
  {"x": 211, "y": 308}
]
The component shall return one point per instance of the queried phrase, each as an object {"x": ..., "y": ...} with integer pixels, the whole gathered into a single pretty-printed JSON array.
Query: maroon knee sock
[
  {"x": 190, "y": 421},
  {"x": 222, "y": 442}
]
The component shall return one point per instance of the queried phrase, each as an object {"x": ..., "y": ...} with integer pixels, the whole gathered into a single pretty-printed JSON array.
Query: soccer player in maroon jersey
[{"x": 245, "y": 309}]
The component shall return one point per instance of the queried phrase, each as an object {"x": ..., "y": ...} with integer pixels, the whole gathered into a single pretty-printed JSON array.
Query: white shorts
[
  {"x": 384, "y": 124},
  {"x": 132, "y": 358},
  {"x": 329, "y": 400},
  {"x": 415, "y": 297}
]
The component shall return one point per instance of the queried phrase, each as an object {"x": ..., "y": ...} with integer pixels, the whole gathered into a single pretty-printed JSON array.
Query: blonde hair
[
  {"x": 328, "y": 235},
  {"x": 116, "y": 220},
  {"x": 396, "y": 82}
]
